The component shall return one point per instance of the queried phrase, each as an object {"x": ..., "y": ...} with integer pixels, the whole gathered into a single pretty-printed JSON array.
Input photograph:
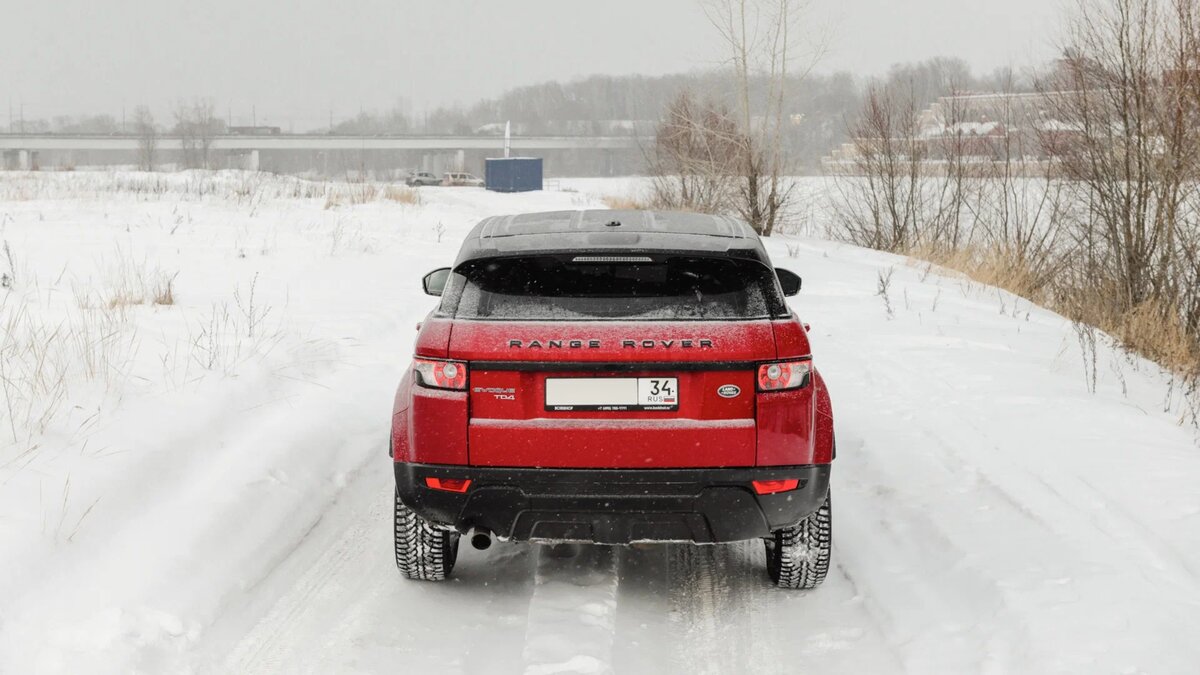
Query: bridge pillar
[
  {"x": 460, "y": 160},
  {"x": 252, "y": 161},
  {"x": 24, "y": 160}
]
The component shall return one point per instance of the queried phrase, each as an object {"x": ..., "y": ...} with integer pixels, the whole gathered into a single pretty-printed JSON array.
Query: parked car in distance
[
  {"x": 419, "y": 178},
  {"x": 460, "y": 179}
]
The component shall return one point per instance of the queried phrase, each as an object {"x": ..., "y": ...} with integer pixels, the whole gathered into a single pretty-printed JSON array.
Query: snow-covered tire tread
[
  {"x": 423, "y": 552},
  {"x": 798, "y": 557}
]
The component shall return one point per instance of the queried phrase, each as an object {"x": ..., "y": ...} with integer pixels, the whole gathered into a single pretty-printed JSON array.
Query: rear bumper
[{"x": 614, "y": 506}]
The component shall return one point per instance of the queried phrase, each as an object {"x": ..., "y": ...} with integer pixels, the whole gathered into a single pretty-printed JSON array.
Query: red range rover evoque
[{"x": 613, "y": 377}]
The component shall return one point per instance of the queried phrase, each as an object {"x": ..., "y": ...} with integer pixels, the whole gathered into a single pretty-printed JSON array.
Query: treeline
[
  {"x": 66, "y": 124},
  {"x": 817, "y": 107}
]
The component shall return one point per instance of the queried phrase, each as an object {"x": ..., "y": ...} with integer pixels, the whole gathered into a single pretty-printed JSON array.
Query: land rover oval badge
[{"x": 729, "y": 391}]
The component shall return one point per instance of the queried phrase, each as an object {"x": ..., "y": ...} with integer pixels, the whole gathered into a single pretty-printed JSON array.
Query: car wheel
[
  {"x": 423, "y": 552},
  {"x": 798, "y": 556}
]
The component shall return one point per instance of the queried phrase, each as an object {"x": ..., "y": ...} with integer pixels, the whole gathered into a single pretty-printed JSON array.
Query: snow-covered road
[
  {"x": 992, "y": 513},
  {"x": 536, "y": 609}
]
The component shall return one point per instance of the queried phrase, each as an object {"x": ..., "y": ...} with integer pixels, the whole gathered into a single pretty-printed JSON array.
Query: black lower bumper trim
[{"x": 614, "y": 506}]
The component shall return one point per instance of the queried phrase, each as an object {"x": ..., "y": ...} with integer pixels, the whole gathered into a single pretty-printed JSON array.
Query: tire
[
  {"x": 798, "y": 556},
  {"x": 423, "y": 552}
]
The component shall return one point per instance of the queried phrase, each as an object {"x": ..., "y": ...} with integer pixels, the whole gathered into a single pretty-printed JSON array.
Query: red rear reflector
[
  {"x": 770, "y": 487},
  {"x": 448, "y": 484}
]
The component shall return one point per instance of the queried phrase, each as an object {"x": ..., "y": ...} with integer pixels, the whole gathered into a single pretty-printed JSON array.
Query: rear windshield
[{"x": 574, "y": 288}]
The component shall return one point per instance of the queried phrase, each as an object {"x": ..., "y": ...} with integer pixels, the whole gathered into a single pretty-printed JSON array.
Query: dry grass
[
  {"x": 1152, "y": 329},
  {"x": 48, "y": 349},
  {"x": 160, "y": 291},
  {"x": 54, "y": 356},
  {"x": 225, "y": 337},
  {"x": 351, "y": 194},
  {"x": 164, "y": 293},
  {"x": 128, "y": 282},
  {"x": 626, "y": 203},
  {"x": 988, "y": 266},
  {"x": 42, "y": 357},
  {"x": 402, "y": 195},
  {"x": 1160, "y": 334},
  {"x": 179, "y": 186}
]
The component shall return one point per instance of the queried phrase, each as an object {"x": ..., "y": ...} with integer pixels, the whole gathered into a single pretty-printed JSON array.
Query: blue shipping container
[{"x": 514, "y": 174}]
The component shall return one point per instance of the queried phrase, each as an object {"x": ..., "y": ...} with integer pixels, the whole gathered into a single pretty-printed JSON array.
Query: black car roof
[{"x": 603, "y": 230}]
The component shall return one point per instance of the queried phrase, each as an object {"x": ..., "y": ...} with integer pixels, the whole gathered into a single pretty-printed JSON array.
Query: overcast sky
[{"x": 294, "y": 60}]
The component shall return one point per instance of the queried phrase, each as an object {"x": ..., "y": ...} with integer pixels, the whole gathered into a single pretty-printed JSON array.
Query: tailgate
[{"x": 609, "y": 404}]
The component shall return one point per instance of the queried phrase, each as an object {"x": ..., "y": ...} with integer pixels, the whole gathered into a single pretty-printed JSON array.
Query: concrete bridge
[{"x": 22, "y": 151}]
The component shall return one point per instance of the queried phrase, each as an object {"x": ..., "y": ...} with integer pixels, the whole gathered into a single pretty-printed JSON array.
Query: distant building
[{"x": 977, "y": 128}]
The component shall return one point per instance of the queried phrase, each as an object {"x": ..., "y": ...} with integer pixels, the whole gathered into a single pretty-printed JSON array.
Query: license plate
[{"x": 612, "y": 394}]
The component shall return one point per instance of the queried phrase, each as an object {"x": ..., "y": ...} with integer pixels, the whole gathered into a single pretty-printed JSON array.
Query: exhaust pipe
[{"x": 481, "y": 538}]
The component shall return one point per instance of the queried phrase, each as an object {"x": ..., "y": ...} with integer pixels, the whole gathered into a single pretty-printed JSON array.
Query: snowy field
[{"x": 202, "y": 485}]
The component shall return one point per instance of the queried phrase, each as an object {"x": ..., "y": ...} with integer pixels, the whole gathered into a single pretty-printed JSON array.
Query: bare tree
[
  {"x": 1020, "y": 201},
  {"x": 763, "y": 39},
  {"x": 147, "y": 135},
  {"x": 909, "y": 180},
  {"x": 1126, "y": 90},
  {"x": 197, "y": 125},
  {"x": 877, "y": 205},
  {"x": 185, "y": 129},
  {"x": 962, "y": 181},
  {"x": 208, "y": 126},
  {"x": 696, "y": 157}
]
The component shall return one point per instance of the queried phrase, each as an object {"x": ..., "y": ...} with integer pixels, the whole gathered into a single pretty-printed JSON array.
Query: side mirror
[
  {"x": 789, "y": 281},
  {"x": 435, "y": 282}
]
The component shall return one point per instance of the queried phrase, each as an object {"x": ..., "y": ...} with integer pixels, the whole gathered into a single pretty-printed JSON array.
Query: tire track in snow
[
  {"x": 937, "y": 596},
  {"x": 271, "y": 642},
  {"x": 572, "y": 615},
  {"x": 337, "y": 604},
  {"x": 937, "y": 602},
  {"x": 1106, "y": 514},
  {"x": 1156, "y": 552},
  {"x": 718, "y": 593}
]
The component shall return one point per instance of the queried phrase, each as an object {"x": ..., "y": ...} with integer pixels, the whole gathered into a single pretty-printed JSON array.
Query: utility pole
[
  {"x": 22, "y": 109},
  {"x": 253, "y": 116}
]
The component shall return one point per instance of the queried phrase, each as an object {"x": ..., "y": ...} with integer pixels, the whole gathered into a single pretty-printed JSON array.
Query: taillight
[
  {"x": 783, "y": 375},
  {"x": 770, "y": 487},
  {"x": 441, "y": 374},
  {"x": 458, "y": 485}
]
